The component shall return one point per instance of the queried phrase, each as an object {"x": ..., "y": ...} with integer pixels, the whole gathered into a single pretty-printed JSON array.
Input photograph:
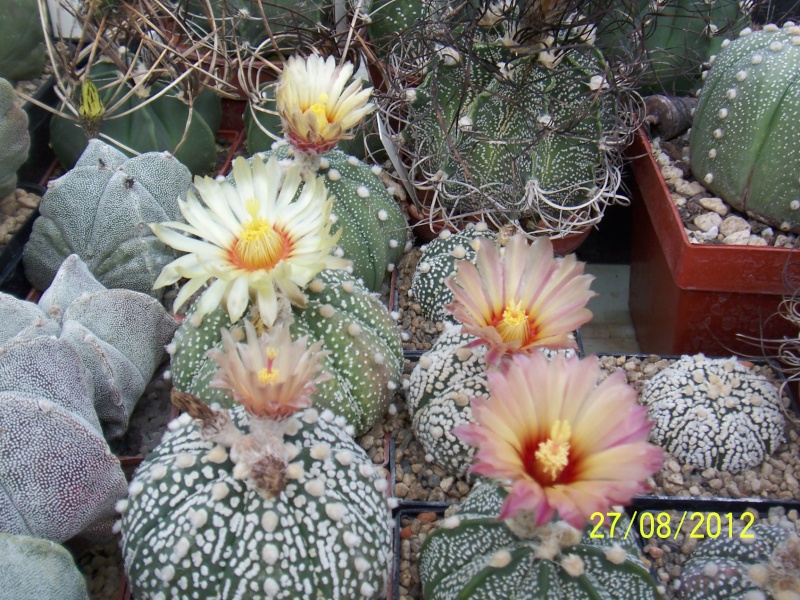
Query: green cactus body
[
  {"x": 100, "y": 211},
  {"x": 22, "y": 52},
  {"x": 442, "y": 384},
  {"x": 474, "y": 555},
  {"x": 14, "y": 138},
  {"x": 525, "y": 142},
  {"x": 437, "y": 262},
  {"x": 366, "y": 351},
  {"x": 764, "y": 565},
  {"x": 743, "y": 140},
  {"x": 374, "y": 231},
  {"x": 158, "y": 126},
  {"x": 37, "y": 568},
  {"x": 191, "y": 529}
]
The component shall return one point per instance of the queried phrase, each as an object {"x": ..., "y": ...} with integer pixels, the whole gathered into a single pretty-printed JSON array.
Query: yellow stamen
[
  {"x": 553, "y": 455},
  {"x": 319, "y": 109},
  {"x": 267, "y": 376},
  {"x": 514, "y": 324},
  {"x": 259, "y": 246}
]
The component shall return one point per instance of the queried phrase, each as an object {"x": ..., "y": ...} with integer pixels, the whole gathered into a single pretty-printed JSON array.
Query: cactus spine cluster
[{"x": 743, "y": 140}]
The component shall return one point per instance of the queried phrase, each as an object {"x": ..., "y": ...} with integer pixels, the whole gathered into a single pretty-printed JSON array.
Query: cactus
[
  {"x": 714, "y": 413},
  {"x": 22, "y": 52},
  {"x": 59, "y": 476},
  {"x": 374, "y": 231},
  {"x": 366, "y": 359},
  {"x": 100, "y": 210},
  {"x": 474, "y": 554},
  {"x": 296, "y": 505},
  {"x": 760, "y": 562},
  {"x": 37, "y": 568},
  {"x": 157, "y": 126},
  {"x": 437, "y": 262},
  {"x": 14, "y": 138},
  {"x": 742, "y": 142},
  {"x": 119, "y": 335}
]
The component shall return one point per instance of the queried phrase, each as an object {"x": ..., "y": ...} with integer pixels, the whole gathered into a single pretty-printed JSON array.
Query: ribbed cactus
[
  {"x": 474, "y": 554},
  {"x": 162, "y": 125},
  {"x": 193, "y": 529},
  {"x": 100, "y": 211},
  {"x": 37, "y": 568},
  {"x": 118, "y": 334},
  {"x": 437, "y": 262},
  {"x": 366, "y": 351},
  {"x": 762, "y": 561},
  {"x": 22, "y": 51},
  {"x": 374, "y": 231},
  {"x": 743, "y": 143},
  {"x": 14, "y": 138}
]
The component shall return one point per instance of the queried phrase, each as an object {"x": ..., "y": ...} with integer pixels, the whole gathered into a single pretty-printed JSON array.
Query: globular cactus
[
  {"x": 474, "y": 554},
  {"x": 22, "y": 52},
  {"x": 161, "y": 125},
  {"x": 742, "y": 142},
  {"x": 60, "y": 479},
  {"x": 100, "y": 211},
  {"x": 374, "y": 231},
  {"x": 760, "y": 562},
  {"x": 37, "y": 568},
  {"x": 14, "y": 138},
  {"x": 365, "y": 346},
  {"x": 437, "y": 263},
  {"x": 118, "y": 334},
  {"x": 714, "y": 413}
]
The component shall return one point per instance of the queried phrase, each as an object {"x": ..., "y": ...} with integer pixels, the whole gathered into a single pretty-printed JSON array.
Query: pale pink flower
[
  {"x": 564, "y": 442},
  {"x": 522, "y": 299},
  {"x": 271, "y": 376}
]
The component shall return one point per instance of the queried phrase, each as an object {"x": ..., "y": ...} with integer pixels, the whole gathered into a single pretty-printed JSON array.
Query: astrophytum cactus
[{"x": 14, "y": 138}]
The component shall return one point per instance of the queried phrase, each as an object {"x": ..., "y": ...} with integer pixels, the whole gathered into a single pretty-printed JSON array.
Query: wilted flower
[
  {"x": 521, "y": 299},
  {"x": 271, "y": 376},
  {"x": 251, "y": 239},
  {"x": 564, "y": 442},
  {"x": 316, "y": 109}
]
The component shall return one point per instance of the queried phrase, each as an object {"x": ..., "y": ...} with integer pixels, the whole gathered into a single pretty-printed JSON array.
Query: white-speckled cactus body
[
  {"x": 366, "y": 351},
  {"x": 37, "y": 568},
  {"x": 100, "y": 210},
  {"x": 59, "y": 477},
  {"x": 714, "y": 413},
  {"x": 14, "y": 138},
  {"x": 437, "y": 262},
  {"x": 374, "y": 231},
  {"x": 191, "y": 529},
  {"x": 760, "y": 562},
  {"x": 743, "y": 143},
  {"x": 442, "y": 384},
  {"x": 474, "y": 555}
]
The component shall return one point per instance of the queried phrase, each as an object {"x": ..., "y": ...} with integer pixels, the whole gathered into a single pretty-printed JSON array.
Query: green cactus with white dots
[{"x": 743, "y": 143}]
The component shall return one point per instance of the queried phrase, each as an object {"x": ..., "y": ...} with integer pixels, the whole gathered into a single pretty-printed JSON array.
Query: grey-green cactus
[
  {"x": 118, "y": 334},
  {"x": 374, "y": 231},
  {"x": 22, "y": 52},
  {"x": 14, "y": 138},
  {"x": 100, "y": 211},
  {"x": 37, "y": 568},
  {"x": 192, "y": 528},
  {"x": 365, "y": 346},
  {"x": 762, "y": 561},
  {"x": 475, "y": 555},
  {"x": 60, "y": 479},
  {"x": 437, "y": 262},
  {"x": 743, "y": 144},
  {"x": 714, "y": 413}
]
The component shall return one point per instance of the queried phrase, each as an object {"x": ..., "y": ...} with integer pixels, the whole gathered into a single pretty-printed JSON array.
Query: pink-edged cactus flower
[
  {"x": 520, "y": 298},
  {"x": 564, "y": 442}
]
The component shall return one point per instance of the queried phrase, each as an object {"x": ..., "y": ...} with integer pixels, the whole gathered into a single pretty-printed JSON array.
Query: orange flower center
[
  {"x": 547, "y": 460},
  {"x": 514, "y": 325},
  {"x": 259, "y": 247}
]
